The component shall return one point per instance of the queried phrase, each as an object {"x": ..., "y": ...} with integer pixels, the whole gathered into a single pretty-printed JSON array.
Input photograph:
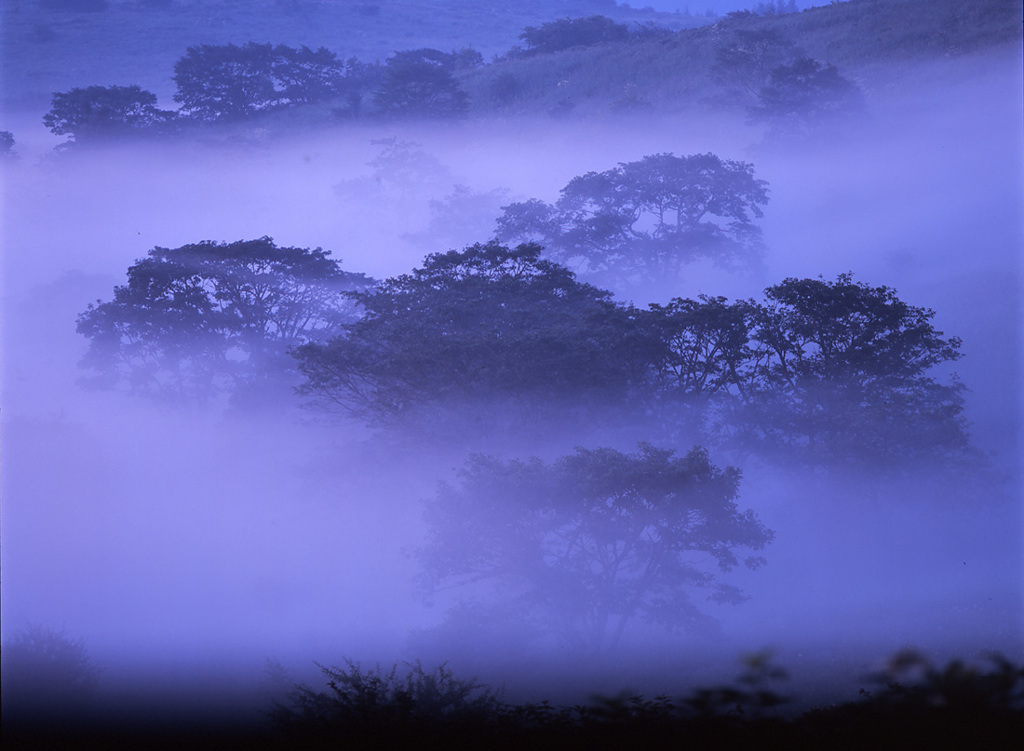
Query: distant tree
[
  {"x": 583, "y": 547},
  {"x": 208, "y": 318},
  {"x": 304, "y": 76},
  {"x": 644, "y": 220},
  {"x": 805, "y": 96},
  {"x": 460, "y": 217},
  {"x": 7, "y": 152},
  {"x": 572, "y": 32},
  {"x": 775, "y": 8},
  {"x": 227, "y": 82},
  {"x": 101, "y": 112},
  {"x": 744, "y": 63},
  {"x": 420, "y": 84},
  {"x": 706, "y": 346},
  {"x": 486, "y": 323},
  {"x": 46, "y": 674},
  {"x": 839, "y": 371}
]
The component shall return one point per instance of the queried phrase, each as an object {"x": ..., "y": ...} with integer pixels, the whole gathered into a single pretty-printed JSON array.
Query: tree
[
  {"x": 7, "y": 152},
  {"x": 839, "y": 372},
  {"x": 46, "y": 673},
  {"x": 100, "y": 112},
  {"x": 803, "y": 97},
  {"x": 205, "y": 318},
  {"x": 419, "y": 83},
  {"x": 565, "y": 33},
  {"x": 745, "y": 63},
  {"x": 586, "y": 545},
  {"x": 487, "y": 322},
  {"x": 644, "y": 220},
  {"x": 227, "y": 82}
]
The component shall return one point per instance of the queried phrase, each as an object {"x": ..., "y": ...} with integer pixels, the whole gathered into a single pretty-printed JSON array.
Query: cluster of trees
[
  {"x": 226, "y": 83},
  {"x": 642, "y": 221},
  {"x": 211, "y": 318},
  {"x": 781, "y": 87},
  {"x": 566, "y": 33},
  {"x": 759, "y": 69},
  {"x": 577, "y": 549},
  {"x": 825, "y": 370}
]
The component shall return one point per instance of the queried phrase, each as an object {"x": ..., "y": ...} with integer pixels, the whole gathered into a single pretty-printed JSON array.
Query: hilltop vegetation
[{"x": 47, "y": 49}]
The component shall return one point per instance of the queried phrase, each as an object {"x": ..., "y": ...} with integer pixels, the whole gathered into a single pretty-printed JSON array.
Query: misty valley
[{"x": 494, "y": 397}]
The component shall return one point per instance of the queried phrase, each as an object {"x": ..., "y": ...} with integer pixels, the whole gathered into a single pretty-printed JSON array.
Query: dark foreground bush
[{"x": 915, "y": 705}]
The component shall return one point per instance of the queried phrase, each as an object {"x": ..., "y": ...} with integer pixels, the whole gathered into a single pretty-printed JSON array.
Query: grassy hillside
[
  {"x": 869, "y": 40},
  {"x": 138, "y": 41}
]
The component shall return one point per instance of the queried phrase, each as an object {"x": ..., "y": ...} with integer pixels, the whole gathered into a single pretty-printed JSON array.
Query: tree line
[
  {"x": 572, "y": 552},
  {"x": 758, "y": 69},
  {"x": 830, "y": 370}
]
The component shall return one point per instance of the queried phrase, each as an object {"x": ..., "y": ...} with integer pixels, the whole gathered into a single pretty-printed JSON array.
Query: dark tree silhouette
[
  {"x": 45, "y": 674},
  {"x": 643, "y": 221},
  {"x": 839, "y": 371},
  {"x": 419, "y": 84},
  {"x": 102, "y": 112},
  {"x": 488, "y": 322},
  {"x": 582, "y": 547},
  {"x": 805, "y": 97},
  {"x": 205, "y": 318},
  {"x": 572, "y": 32}
]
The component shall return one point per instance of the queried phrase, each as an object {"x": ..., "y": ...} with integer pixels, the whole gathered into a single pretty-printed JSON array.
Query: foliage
[
  {"x": 228, "y": 82},
  {"x": 839, "y": 370},
  {"x": 204, "y": 318},
  {"x": 486, "y": 322},
  {"x": 420, "y": 83},
  {"x": 598, "y": 538},
  {"x": 45, "y": 671},
  {"x": 572, "y": 32},
  {"x": 98, "y": 112},
  {"x": 7, "y": 152},
  {"x": 360, "y": 698},
  {"x": 804, "y": 96},
  {"x": 644, "y": 220},
  {"x": 745, "y": 63}
]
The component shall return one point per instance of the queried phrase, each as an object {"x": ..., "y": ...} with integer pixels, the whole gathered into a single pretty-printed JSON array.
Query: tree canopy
[
  {"x": 644, "y": 220},
  {"x": 420, "y": 83},
  {"x": 801, "y": 97},
  {"x": 582, "y": 547},
  {"x": 98, "y": 112},
  {"x": 840, "y": 369},
  {"x": 228, "y": 82},
  {"x": 210, "y": 317},
  {"x": 572, "y": 32},
  {"x": 486, "y": 322}
]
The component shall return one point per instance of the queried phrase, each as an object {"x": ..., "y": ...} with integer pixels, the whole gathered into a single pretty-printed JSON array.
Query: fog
[{"x": 187, "y": 545}]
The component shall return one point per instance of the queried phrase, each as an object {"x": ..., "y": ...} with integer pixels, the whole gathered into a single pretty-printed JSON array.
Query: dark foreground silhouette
[{"x": 912, "y": 705}]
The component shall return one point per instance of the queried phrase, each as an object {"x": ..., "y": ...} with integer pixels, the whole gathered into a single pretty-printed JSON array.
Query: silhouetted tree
[
  {"x": 582, "y": 547},
  {"x": 488, "y": 322},
  {"x": 419, "y": 84},
  {"x": 644, "y": 220},
  {"x": 45, "y": 674},
  {"x": 572, "y": 32},
  {"x": 205, "y": 318},
  {"x": 839, "y": 371},
  {"x": 7, "y": 151},
  {"x": 228, "y": 82},
  {"x": 100, "y": 112},
  {"x": 805, "y": 96},
  {"x": 744, "y": 63}
]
